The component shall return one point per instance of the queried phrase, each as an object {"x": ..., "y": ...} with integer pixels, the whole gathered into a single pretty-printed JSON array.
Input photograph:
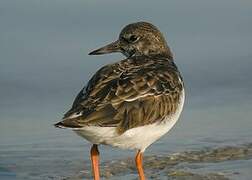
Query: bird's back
[{"x": 134, "y": 92}]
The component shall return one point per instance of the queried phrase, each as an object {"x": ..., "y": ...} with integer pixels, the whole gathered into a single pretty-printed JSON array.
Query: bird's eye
[{"x": 133, "y": 38}]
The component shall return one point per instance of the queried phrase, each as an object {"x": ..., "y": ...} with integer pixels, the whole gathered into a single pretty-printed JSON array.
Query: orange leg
[
  {"x": 95, "y": 161},
  {"x": 139, "y": 165}
]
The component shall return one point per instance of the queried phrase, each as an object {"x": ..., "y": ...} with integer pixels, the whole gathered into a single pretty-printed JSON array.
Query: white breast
[{"x": 135, "y": 138}]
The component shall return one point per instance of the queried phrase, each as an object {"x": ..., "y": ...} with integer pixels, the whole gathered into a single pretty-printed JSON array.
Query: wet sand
[{"x": 181, "y": 166}]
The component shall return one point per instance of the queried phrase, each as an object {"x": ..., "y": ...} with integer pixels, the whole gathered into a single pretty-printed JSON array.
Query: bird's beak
[{"x": 110, "y": 48}]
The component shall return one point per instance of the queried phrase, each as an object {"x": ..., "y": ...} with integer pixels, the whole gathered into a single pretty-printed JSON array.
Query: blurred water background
[{"x": 44, "y": 63}]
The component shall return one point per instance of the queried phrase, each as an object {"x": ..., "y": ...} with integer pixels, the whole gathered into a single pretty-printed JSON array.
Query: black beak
[{"x": 110, "y": 48}]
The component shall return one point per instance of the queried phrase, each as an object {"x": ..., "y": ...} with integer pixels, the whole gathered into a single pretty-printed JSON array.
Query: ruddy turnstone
[{"x": 131, "y": 103}]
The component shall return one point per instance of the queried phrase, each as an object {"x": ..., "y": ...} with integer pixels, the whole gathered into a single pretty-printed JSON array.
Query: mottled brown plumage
[
  {"x": 132, "y": 103},
  {"x": 134, "y": 92},
  {"x": 140, "y": 90}
]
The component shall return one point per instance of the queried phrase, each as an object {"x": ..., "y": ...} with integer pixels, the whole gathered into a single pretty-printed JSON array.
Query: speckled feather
[
  {"x": 133, "y": 92},
  {"x": 141, "y": 90}
]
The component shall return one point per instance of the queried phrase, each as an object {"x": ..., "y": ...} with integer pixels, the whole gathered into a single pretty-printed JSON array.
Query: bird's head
[{"x": 138, "y": 39}]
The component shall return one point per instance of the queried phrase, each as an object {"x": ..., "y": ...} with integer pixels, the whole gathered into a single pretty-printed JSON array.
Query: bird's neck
[
  {"x": 166, "y": 55},
  {"x": 164, "y": 52}
]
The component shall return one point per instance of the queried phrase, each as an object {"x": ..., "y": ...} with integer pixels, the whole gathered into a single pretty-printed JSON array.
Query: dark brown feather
[{"x": 131, "y": 93}]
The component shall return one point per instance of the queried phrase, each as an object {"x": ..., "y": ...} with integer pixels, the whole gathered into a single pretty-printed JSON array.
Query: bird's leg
[
  {"x": 95, "y": 161},
  {"x": 139, "y": 165}
]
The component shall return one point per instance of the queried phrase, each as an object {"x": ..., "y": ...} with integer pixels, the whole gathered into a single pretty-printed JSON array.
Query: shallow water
[
  {"x": 185, "y": 152},
  {"x": 221, "y": 163},
  {"x": 44, "y": 63}
]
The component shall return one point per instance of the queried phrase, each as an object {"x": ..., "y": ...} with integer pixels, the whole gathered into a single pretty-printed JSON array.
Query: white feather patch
[{"x": 135, "y": 138}]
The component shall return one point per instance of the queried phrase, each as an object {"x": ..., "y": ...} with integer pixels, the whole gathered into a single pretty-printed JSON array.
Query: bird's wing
[{"x": 127, "y": 95}]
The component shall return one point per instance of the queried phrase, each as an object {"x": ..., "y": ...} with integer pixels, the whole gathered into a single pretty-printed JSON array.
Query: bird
[{"x": 133, "y": 102}]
